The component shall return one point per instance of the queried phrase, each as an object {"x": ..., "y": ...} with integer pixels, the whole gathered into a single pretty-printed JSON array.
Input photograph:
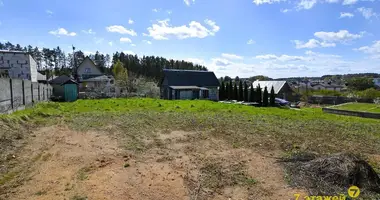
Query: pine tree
[
  {"x": 246, "y": 98},
  {"x": 236, "y": 95},
  {"x": 265, "y": 97},
  {"x": 258, "y": 95},
  {"x": 221, "y": 92},
  {"x": 252, "y": 94},
  {"x": 227, "y": 91},
  {"x": 272, "y": 97},
  {"x": 231, "y": 91},
  {"x": 241, "y": 95}
]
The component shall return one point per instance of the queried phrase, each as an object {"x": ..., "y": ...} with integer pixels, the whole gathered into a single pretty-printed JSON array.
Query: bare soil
[{"x": 67, "y": 164}]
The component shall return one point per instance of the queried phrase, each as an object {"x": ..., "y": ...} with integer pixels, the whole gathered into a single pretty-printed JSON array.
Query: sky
[{"x": 276, "y": 38}]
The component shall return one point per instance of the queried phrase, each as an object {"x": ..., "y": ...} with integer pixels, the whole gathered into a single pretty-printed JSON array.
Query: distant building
[
  {"x": 281, "y": 88},
  {"x": 376, "y": 81},
  {"x": 18, "y": 64},
  {"x": 323, "y": 86},
  {"x": 90, "y": 77},
  {"x": 189, "y": 84}
]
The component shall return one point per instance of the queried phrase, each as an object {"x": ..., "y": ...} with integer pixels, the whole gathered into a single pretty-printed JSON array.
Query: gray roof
[
  {"x": 60, "y": 80},
  {"x": 185, "y": 87},
  {"x": 277, "y": 85},
  {"x": 98, "y": 78},
  {"x": 190, "y": 78}
]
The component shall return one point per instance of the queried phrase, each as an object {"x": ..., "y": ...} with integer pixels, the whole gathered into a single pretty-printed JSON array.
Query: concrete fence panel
[
  {"x": 35, "y": 92},
  {"x": 16, "y": 94},
  {"x": 5, "y": 95},
  {"x": 27, "y": 92}
]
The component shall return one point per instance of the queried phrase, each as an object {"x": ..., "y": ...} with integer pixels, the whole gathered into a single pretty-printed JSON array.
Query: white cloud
[
  {"x": 195, "y": 61},
  {"x": 62, "y": 31},
  {"x": 282, "y": 58},
  {"x": 49, "y": 12},
  {"x": 332, "y": 1},
  {"x": 349, "y": 2},
  {"x": 312, "y": 43},
  {"x": 346, "y": 14},
  {"x": 110, "y": 43},
  {"x": 130, "y": 21},
  {"x": 340, "y": 36},
  {"x": 156, "y": 9},
  {"x": 169, "y": 12},
  {"x": 162, "y": 30},
  {"x": 213, "y": 25},
  {"x": 87, "y": 53},
  {"x": 221, "y": 62},
  {"x": 188, "y": 2},
  {"x": 98, "y": 40},
  {"x": 285, "y": 10},
  {"x": 89, "y": 31},
  {"x": 260, "y": 2},
  {"x": 250, "y": 41},
  {"x": 125, "y": 40},
  {"x": 147, "y": 41},
  {"x": 232, "y": 56},
  {"x": 306, "y": 4},
  {"x": 133, "y": 45},
  {"x": 367, "y": 12},
  {"x": 373, "y": 50},
  {"x": 129, "y": 52},
  {"x": 121, "y": 30}
]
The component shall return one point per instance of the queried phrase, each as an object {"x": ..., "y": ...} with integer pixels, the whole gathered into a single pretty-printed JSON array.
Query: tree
[
  {"x": 252, "y": 94},
  {"x": 227, "y": 91},
  {"x": 237, "y": 79},
  {"x": 230, "y": 91},
  {"x": 241, "y": 95},
  {"x": 246, "y": 98},
  {"x": 360, "y": 83},
  {"x": 221, "y": 92},
  {"x": 236, "y": 95},
  {"x": 272, "y": 97},
  {"x": 227, "y": 78},
  {"x": 265, "y": 97},
  {"x": 258, "y": 95}
]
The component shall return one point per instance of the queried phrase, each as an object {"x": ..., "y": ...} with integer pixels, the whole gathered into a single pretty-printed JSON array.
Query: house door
[{"x": 195, "y": 94}]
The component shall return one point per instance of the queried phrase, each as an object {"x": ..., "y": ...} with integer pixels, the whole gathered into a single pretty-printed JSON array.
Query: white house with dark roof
[
  {"x": 91, "y": 77},
  {"x": 18, "y": 64},
  {"x": 281, "y": 88}
]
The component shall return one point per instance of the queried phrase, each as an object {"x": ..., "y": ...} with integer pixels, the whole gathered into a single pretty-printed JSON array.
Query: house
[
  {"x": 376, "y": 81},
  {"x": 324, "y": 86},
  {"x": 281, "y": 88},
  {"x": 18, "y": 64},
  {"x": 189, "y": 84},
  {"x": 64, "y": 88},
  {"x": 90, "y": 77}
]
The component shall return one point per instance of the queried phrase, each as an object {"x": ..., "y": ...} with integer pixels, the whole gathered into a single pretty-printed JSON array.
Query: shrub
[{"x": 265, "y": 97}]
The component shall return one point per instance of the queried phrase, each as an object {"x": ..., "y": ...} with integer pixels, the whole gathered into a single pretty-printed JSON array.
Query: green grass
[
  {"x": 136, "y": 119},
  {"x": 364, "y": 107}
]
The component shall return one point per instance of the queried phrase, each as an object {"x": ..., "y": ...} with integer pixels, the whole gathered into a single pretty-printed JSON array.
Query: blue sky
[{"x": 277, "y": 38}]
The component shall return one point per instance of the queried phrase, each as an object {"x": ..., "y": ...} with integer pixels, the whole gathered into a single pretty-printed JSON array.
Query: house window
[{"x": 87, "y": 70}]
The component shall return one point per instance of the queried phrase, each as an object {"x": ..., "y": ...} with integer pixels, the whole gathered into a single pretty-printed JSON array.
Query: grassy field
[
  {"x": 364, "y": 107},
  {"x": 140, "y": 127}
]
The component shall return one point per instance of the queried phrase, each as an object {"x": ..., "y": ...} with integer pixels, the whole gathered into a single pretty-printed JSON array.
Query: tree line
[
  {"x": 231, "y": 91},
  {"x": 57, "y": 62},
  {"x": 152, "y": 66}
]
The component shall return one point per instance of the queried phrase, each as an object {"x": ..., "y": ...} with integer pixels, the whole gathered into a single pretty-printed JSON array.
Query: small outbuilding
[
  {"x": 65, "y": 88},
  {"x": 281, "y": 88}
]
